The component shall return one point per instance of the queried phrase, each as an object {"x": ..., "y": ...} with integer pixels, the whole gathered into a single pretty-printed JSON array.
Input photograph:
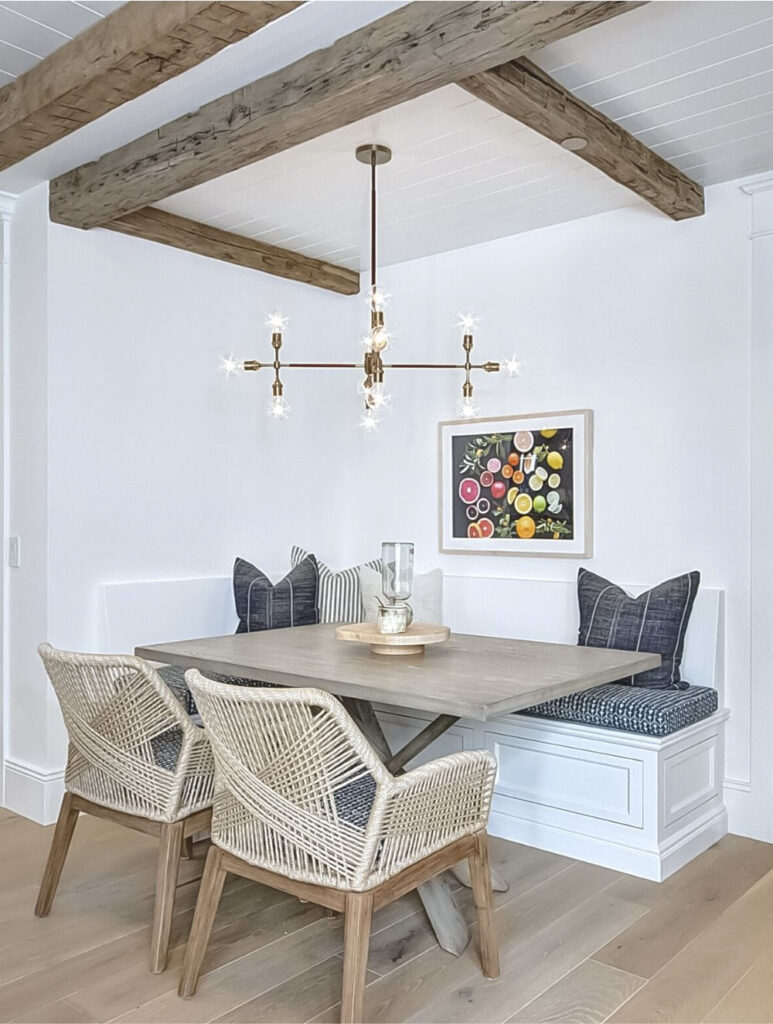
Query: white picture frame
[{"x": 559, "y": 527}]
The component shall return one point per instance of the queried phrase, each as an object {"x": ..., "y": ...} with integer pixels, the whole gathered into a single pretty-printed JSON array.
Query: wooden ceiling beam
[
  {"x": 182, "y": 233},
  {"x": 117, "y": 59},
  {"x": 528, "y": 94},
  {"x": 413, "y": 50}
]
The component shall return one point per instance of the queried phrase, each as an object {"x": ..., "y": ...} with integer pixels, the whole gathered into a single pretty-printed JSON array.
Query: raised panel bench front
[{"x": 640, "y": 804}]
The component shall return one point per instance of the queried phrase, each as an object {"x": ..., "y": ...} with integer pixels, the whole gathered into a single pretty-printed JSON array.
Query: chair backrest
[
  {"x": 290, "y": 765},
  {"x": 125, "y": 727}
]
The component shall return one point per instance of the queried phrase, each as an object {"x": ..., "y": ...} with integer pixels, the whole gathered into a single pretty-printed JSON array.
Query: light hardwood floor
[{"x": 578, "y": 943}]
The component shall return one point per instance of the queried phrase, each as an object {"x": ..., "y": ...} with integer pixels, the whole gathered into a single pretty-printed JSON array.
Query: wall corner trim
[{"x": 7, "y": 205}]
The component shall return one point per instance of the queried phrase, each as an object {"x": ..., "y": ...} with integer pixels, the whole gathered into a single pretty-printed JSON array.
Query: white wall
[
  {"x": 755, "y": 812},
  {"x": 158, "y": 467}
]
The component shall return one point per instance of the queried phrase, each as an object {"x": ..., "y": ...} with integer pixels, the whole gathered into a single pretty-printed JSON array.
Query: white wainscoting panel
[{"x": 559, "y": 777}]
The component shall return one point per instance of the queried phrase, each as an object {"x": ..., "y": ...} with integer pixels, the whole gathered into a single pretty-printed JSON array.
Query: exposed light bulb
[
  {"x": 363, "y": 388},
  {"x": 513, "y": 366},
  {"x": 468, "y": 409},
  {"x": 276, "y": 322},
  {"x": 278, "y": 408},
  {"x": 379, "y": 339},
  {"x": 229, "y": 366},
  {"x": 369, "y": 421},
  {"x": 467, "y": 323},
  {"x": 377, "y": 298},
  {"x": 379, "y": 396}
]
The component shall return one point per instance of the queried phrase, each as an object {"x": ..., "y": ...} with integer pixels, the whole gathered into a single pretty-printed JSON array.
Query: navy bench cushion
[
  {"x": 174, "y": 677},
  {"x": 632, "y": 708}
]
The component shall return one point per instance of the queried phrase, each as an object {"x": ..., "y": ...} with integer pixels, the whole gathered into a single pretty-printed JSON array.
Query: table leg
[
  {"x": 461, "y": 873},
  {"x": 449, "y": 926},
  {"x": 365, "y": 716}
]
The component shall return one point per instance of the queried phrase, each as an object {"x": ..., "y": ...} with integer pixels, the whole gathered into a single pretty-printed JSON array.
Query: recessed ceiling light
[{"x": 574, "y": 143}]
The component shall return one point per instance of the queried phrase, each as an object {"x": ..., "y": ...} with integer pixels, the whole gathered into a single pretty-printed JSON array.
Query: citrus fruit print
[
  {"x": 514, "y": 491},
  {"x": 486, "y": 527},
  {"x": 526, "y": 527},
  {"x": 523, "y": 504},
  {"x": 469, "y": 491}
]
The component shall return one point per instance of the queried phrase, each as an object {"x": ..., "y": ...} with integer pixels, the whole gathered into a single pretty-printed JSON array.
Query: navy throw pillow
[
  {"x": 655, "y": 621},
  {"x": 261, "y": 604}
]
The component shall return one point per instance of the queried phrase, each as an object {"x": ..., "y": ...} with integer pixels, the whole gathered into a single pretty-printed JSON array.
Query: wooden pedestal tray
[{"x": 413, "y": 641}]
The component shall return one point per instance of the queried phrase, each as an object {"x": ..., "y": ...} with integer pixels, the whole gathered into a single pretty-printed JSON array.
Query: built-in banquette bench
[{"x": 638, "y": 803}]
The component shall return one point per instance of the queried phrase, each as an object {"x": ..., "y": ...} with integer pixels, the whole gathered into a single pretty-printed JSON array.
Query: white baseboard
[
  {"x": 652, "y": 865},
  {"x": 33, "y": 792}
]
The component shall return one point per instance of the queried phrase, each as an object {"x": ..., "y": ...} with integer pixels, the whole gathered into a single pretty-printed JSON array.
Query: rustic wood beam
[
  {"x": 411, "y": 51},
  {"x": 531, "y": 96},
  {"x": 131, "y": 51},
  {"x": 182, "y": 233}
]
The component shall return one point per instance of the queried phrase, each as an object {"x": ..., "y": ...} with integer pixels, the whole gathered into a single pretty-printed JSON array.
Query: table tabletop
[{"x": 475, "y": 677}]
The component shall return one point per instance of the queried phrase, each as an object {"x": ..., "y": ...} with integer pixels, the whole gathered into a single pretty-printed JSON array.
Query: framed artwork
[{"x": 518, "y": 485}]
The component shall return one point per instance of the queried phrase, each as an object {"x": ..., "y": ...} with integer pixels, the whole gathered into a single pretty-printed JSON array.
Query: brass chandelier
[{"x": 372, "y": 389}]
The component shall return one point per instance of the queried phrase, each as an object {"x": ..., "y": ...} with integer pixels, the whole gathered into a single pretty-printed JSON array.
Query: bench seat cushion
[
  {"x": 174, "y": 677},
  {"x": 631, "y": 708}
]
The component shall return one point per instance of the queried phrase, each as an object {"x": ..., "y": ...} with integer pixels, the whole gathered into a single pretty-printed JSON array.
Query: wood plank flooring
[{"x": 578, "y": 943}]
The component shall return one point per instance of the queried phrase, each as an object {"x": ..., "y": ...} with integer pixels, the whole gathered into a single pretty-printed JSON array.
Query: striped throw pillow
[
  {"x": 340, "y": 597},
  {"x": 655, "y": 621},
  {"x": 261, "y": 604}
]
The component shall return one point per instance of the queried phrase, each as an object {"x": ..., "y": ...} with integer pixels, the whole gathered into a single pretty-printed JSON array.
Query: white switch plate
[{"x": 14, "y": 552}]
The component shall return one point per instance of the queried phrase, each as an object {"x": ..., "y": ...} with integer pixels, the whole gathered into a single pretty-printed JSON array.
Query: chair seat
[
  {"x": 355, "y": 799},
  {"x": 632, "y": 708}
]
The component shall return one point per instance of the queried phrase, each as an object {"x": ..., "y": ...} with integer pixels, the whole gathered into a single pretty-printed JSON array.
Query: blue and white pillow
[
  {"x": 340, "y": 595},
  {"x": 655, "y": 621},
  {"x": 261, "y": 604}
]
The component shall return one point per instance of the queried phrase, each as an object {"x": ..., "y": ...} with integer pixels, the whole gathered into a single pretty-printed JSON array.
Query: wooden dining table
[{"x": 474, "y": 677}]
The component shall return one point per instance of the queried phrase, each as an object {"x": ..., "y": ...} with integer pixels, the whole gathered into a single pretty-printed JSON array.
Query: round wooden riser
[{"x": 413, "y": 641}]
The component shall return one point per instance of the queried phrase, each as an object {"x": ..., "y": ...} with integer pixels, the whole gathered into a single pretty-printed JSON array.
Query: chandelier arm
[{"x": 489, "y": 367}]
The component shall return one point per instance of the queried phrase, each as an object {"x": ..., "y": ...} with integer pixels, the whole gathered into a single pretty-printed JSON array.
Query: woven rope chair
[
  {"x": 303, "y": 804},
  {"x": 135, "y": 758}
]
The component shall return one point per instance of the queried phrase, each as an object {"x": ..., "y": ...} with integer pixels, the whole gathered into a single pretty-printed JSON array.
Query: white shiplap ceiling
[
  {"x": 693, "y": 80},
  {"x": 32, "y": 29}
]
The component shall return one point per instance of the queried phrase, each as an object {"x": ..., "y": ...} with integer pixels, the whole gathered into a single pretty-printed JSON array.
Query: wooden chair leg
[
  {"x": 357, "y": 915},
  {"x": 206, "y": 907},
  {"x": 187, "y": 848},
  {"x": 480, "y": 874},
  {"x": 60, "y": 844},
  {"x": 166, "y": 886}
]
